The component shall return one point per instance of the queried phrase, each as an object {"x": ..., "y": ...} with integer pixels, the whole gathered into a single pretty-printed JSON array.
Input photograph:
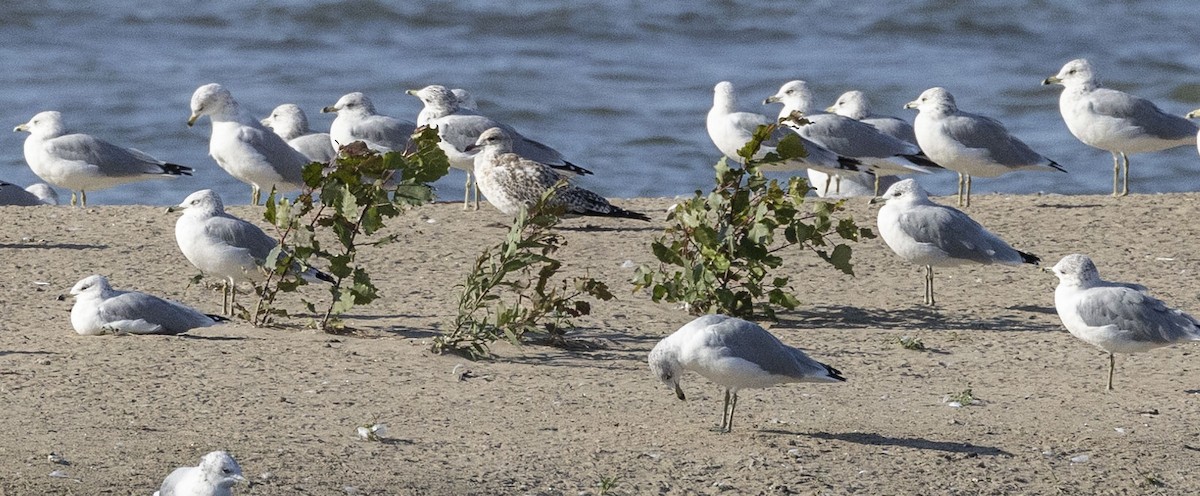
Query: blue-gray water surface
[{"x": 619, "y": 86}]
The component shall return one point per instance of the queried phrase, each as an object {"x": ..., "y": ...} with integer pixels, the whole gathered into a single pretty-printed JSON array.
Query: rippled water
[{"x": 621, "y": 87}]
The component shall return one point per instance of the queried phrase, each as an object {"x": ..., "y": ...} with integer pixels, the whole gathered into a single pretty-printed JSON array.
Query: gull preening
[
  {"x": 216, "y": 475},
  {"x": 459, "y": 127},
  {"x": 925, "y": 233},
  {"x": 736, "y": 355},
  {"x": 291, "y": 123},
  {"x": 510, "y": 181},
  {"x": 731, "y": 129},
  {"x": 1115, "y": 317},
  {"x": 855, "y": 105},
  {"x": 243, "y": 147},
  {"x": 82, "y": 162},
  {"x": 970, "y": 144},
  {"x": 850, "y": 138},
  {"x": 100, "y": 309},
  {"x": 357, "y": 120},
  {"x": 1115, "y": 121},
  {"x": 32, "y": 195},
  {"x": 225, "y": 246}
]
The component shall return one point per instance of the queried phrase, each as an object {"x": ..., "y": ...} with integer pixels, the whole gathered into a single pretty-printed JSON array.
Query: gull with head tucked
[
  {"x": 357, "y": 120},
  {"x": 291, "y": 124},
  {"x": 215, "y": 476},
  {"x": 855, "y": 105}
]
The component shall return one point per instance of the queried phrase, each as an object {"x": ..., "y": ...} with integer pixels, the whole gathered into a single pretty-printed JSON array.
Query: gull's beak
[
  {"x": 911, "y": 105},
  {"x": 240, "y": 478},
  {"x": 1052, "y": 80},
  {"x": 1048, "y": 271},
  {"x": 332, "y": 109},
  {"x": 412, "y": 92},
  {"x": 193, "y": 118},
  {"x": 175, "y": 208},
  {"x": 831, "y": 108},
  {"x": 265, "y": 121},
  {"x": 473, "y": 147},
  {"x": 1190, "y": 115},
  {"x": 22, "y": 127},
  {"x": 679, "y": 392},
  {"x": 771, "y": 99},
  {"x": 877, "y": 200}
]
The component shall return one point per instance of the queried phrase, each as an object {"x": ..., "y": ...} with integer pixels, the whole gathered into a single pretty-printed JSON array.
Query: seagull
[
  {"x": 970, "y": 144},
  {"x": 225, "y": 246},
  {"x": 464, "y": 98},
  {"x": 243, "y": 147},
  {"x": 100, "y": 309},
  {"x": 357, "y": 120},
  {"x": 925, "y": 233},
  {"x": 1115, "y": 121},
  {"x": 510, "y": 181},
  {"x": 736, "y": 355},
  {"x": 459, "y": 127},
  {"x": 215, "y": 476},
  {"x": 1115, "y": 317},
  {"x": 290, "y": 123},
  {"x": 855, "y": 105},
  {"x": 82, "y": 162},
  {"x": 850, "y": 138},
  {"x": 730, "y": 130},
  {"x": 35, "y": 194}
]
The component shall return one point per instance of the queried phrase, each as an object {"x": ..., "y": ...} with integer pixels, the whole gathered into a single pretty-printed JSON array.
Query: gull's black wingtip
[
  {"x": 1029, "y": 258},
  {"x": 176, "y": 170}
]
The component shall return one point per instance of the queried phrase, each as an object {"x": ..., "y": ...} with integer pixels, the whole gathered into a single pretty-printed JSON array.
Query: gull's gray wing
[
  {"x": 264, "y": 146},
  {"x": 1136, "y": 315},
  {"x": 893, "y": 126},
  {"x": 846, "y": 136},
  {"x": 316, "y": 147},
  {"x": 382, "y": 131},
  {"x": 13, "y": 195},
  {"x": 173, "y": 480},
  {"x": 110, "y": 159},
  {"x": 1143, "y": 116},
  {"x": 741, "y": 339},
  {"x": 955, "y": 233},
  {"x": 239, "y": 233},
  {"x": 984, "y": 133},
  {"x": 173, "y": 318}
]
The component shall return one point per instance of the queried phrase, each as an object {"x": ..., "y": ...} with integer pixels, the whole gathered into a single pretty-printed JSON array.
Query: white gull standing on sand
[
  {"x": 100, "y": 309},
  {"x": 736, "y": 355},
  {"x": 855, "y": 105},
  {"x": 1115, "y": 317},
  {"x": 357, "y": 120},
  {"x": 82, "y": 162},
  {"x": 731, "y": 129},
  {"x": 1115, "y": 121},
  {"x": 225, "y": 246},
  {"x": 510, "y": 181},
  {"x": 243, "y": 147},
  {"x": 925, "y": 233},
  {"x": 291, "y": 124},
  {"x": 216, "y": 475},
  {"x": 970, "y": 144},
  {"x": 459, "y": 127}
]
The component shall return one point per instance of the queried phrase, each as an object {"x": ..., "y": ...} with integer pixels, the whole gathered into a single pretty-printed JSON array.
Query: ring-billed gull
[
  {"x": 291, "y": 124},
  {"x": 848, "y": 137},
  {"x": 925, "y": 233},
  {"x": 357, "y": 120},
  {"x": 460, "y": 127},
  {"x": 1115, "y": 317},
  {"x": 735, "y": 354},
  {"x": 216, "y": 475},
  {"x": 464, "y": 98},
  {"x": 35, "y": 194},
  {"x": 225, "y": 246},
  {"x": 970, "y": 144},
  {"x": 1114, "y": 121},
  {"x": 100, "y": 309},
  {"x": 855, "y": 105},
  {"x": 243, "y": 147},
  {"x": 82, "y": 162},
  {"x": 731, "y": 129},
  {"x": 510, "y": 181}
]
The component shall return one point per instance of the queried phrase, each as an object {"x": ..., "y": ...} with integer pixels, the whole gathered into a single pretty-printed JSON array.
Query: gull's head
[
  {"x": 211, "y": 99},
  {"x": 200, "y": 202},
  {"x": 287, "y": 120},
  {"x": 852, "y": 104},
  {"x": 794, "y": 95},
  {"x": 93, "y": 284},
  {"x": 352, "y": 103},
  {"x": 464, "y": 99},
  {"x": 933, "y": 99},
  {"x": 437, "y": 98},
  {"x": 903, "y": 191},
  {"x": 1076, "y": 269},
  {"x": 665, "y": 366},
  {"x": 1077, "y": 72},
  {"x": 48, "y": 124},
  {"x": 495, "y": 139},
  {"x": 43, "y": 192},
  {"x": 221, "y": 469},
  {"x": 723, "y": 96},
  {"x": 1193, "y": 114}
]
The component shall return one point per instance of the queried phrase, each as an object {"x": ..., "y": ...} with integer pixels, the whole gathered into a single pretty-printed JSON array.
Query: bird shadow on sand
[
  {"x": 1065, "y": 206},
  {"x": 52, "y": 246},
  {"x": 870, "y": 439},
  {"x": 595, "y": 228},
  {"x": 915, "y": 318}
]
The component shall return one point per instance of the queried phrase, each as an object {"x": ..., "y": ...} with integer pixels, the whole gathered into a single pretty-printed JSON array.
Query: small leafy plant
[
  {"x": 965, "y": 397},
  {"x": 350, "y": 198},
  {"x": 523, "y": 268},
  {"x": 911, "y": 343},
  {"x": 720, "y": 252}
]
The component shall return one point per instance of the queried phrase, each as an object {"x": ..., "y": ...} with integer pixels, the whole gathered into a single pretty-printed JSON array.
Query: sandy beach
[{"x": 125, "y": 410}]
